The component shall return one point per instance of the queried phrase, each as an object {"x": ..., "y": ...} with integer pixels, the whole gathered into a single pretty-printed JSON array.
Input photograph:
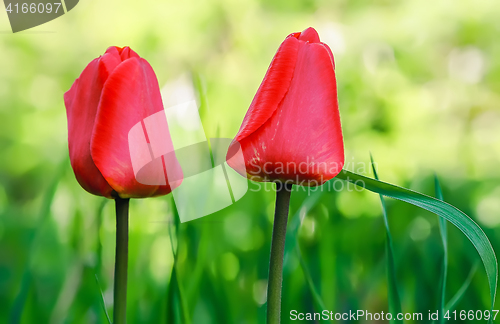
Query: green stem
[
  {"x": 283, "y": 192},
  {"x": 121, "y": 262}
]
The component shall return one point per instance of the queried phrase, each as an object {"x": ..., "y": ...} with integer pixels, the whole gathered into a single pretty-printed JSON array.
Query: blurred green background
[{"x": 419, "y": 87}]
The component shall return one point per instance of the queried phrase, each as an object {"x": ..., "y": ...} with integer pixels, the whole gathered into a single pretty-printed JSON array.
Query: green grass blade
[
  {"x": 473, "y": 232},
  {"x": 319, "y": 305},
  {"x": 461, "y": 292},
  {"x": 177, "y": 310},
  {"x": 393, "y": 294},
  {"x": 444, "y": 238},
  {"x": 98, "y": 266},
  {"x": 174, "y": 300},
  {"x": 103, "y": 302},
  {"x": 292, "y": 244}
]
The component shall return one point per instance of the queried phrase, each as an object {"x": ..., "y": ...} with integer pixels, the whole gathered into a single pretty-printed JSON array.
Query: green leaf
[
  {"x": 103, "y": 302},
  {"x": 473, "y": 232},
  {"x": 393, "y": 294},
  {"x": 444, "y": 239}
]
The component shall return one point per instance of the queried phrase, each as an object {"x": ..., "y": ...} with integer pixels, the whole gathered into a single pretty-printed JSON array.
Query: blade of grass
[
  {"x": 444, "y": 238},
  {"x": 292, "y": 243},
  {"x": 174, "y": 303},
  {"x": 103, "y": 302},
  {"x": 461, "y": 292},
  {"x": 319, "y": 305},
  {"x": 392, "y": 292},
  {"x": 473, "y": 232},
  {"x": 98, "y": 266},
  {"x": 176, "y": 300}
]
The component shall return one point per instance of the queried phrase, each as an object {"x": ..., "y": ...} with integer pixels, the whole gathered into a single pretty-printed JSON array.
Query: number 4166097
[
  {"x": 33, "y": 7},
  {"x": 471, "y": 315}
]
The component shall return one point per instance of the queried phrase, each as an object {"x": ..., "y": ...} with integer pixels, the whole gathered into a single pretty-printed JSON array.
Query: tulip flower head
[
  {"x": 292, "y": 133},
  {"x": 114, "y": 92}
]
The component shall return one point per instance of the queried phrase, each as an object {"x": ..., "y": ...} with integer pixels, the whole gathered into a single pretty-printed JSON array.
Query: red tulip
[
  {"x": 291, "y": 132},
  {"x": 114, "y": 93}
]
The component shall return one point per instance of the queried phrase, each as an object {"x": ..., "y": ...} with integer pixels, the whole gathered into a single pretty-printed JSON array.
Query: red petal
[
  {"x": 305, "y": 129},
  {"x": 127, "y": 53},
  {"x": 272, "y": 89},
  {"x": 122, "y": 53},
  {"x": 107, "y": 64},
  {"x": 329, "y": 53},
  {"x": 130, "y": 94},
  {"x": 81, "y": 103},
  {"x": 113, "y": 50},
  {"x": 309, "y": 35}
]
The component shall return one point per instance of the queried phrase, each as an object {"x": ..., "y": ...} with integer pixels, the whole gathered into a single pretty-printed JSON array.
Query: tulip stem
[
  {"x": 283, "y": 192},
  {"x": 121, "y": 262}
]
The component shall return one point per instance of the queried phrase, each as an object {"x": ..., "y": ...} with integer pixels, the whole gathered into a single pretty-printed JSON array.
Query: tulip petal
[
  {"x": 81, "y": 103},
  {"x": 272, "y": 89},
  {"x": 309, "y": 35},
  {"x": 122, "y": 53},
  {"x": 304, "y": 131},
  {"x": 329, "y": 53},
  {"x": 127, "y": 52},
  {"x": 113, "y": 50},
  {"x": 107, "y": 64},
  {"x": 130, "y": 94}
]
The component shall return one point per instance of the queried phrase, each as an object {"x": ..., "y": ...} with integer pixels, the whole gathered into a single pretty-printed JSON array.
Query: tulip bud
[
  {"x": 114, "y": 93},
  {"x": 291, "y": 132}
]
